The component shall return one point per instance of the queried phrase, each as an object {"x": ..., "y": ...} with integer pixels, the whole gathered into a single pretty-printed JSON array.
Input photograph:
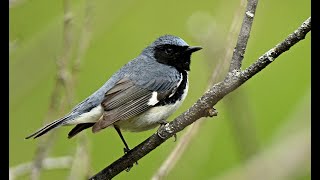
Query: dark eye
[{"x": 168, "y": 50}]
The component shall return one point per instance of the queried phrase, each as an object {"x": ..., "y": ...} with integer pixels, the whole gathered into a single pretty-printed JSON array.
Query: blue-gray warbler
[{"x": 139, "y": 96}]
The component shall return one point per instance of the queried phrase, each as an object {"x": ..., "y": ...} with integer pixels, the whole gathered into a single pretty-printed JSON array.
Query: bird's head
[{"x": 173, "y": 51}]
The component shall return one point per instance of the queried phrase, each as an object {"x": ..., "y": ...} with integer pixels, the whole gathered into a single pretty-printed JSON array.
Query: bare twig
[
  {"x": 244, "y": 34},
  {"x": 62, "y": 80},
  {"x": 192, "y": 130},
  {"x": 47, "y": 163},
  {"x": 80, "y": 167},
  {"x": 217, "y": 72},
  {"x": 84, "y": 41},
  {"x": 67, "y": 52},
  {"x": 81, "y": 163},
  {"x": 244, "y": 133},
  {"x": 233, "y": 80}
]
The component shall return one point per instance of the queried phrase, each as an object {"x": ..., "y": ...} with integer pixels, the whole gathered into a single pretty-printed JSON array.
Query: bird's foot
[
  {"x": 164, "y": 123},
  {"x": 126, "y": 150},
  {"x": 212, "y": 112}
]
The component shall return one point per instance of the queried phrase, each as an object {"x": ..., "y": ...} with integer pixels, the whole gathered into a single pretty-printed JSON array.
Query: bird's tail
[{"x": 47, "y": 128}]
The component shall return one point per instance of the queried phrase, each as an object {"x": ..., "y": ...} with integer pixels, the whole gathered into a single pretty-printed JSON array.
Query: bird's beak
[{"x": 192, "y": 49}]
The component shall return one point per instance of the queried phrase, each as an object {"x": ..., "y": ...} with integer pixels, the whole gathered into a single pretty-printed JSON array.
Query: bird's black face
[{"x": 174, "y": 55}]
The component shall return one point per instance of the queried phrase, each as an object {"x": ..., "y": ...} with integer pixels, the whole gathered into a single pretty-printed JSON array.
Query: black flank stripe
[{"x": 178, "y": 95}]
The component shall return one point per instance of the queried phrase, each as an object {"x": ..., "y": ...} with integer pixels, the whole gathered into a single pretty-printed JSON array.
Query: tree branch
[
  {"x": 48, "y": 163},
  {"x": 219, "y": 70},
  {"x": 193, "y": 129},
  {"x": 62, "y": 81},
  {"x": 80, "y": 168},
  {"x": 244, "y": 34},
  {"x": 203, "y": 106}
]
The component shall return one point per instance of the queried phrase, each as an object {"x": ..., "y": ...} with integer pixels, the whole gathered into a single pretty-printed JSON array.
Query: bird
[{"x": 140, "y": 96}]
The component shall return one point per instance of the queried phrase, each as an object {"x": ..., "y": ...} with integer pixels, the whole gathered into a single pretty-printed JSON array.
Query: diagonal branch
[
  {"x": 193, "y": 129},
  {"x": 203, "y": 107}
]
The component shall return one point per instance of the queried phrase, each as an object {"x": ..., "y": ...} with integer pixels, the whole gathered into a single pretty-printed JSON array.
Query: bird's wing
[{"x": 128, "y": 99}]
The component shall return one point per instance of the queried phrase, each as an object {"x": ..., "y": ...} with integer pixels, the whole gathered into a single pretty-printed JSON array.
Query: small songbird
[{"x": 139, "y": 96}]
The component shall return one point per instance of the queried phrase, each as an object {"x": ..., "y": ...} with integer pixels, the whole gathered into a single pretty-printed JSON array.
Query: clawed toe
[
  {"x": 126, "y": 150},
  {"x": 163, "y": 123}
]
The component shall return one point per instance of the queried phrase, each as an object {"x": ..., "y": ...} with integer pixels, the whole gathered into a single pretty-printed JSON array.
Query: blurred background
[{"x": 262, "y": 130}]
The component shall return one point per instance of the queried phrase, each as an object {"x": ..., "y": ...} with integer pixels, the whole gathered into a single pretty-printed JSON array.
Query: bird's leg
[
  {"x": 163, "y": 123},
  {"x": 126, "y": 148}
]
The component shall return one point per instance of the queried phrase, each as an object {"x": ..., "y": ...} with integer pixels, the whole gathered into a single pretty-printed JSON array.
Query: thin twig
[
  {"x": 47, "y": 163},
  {"x": 192, "y": 130},
  {"x": 81, "y": 162},
  {"x": 234, "y": 28},
  {"x": 66, "y": 58},
  {"x": 61, "y": 83},
  {"x": 80, "y": 167},
  {"x": 244, "y": 131},
  {"x": 244, "y": 34},
  {"x": 84, "y": 41},
  {"x": 203, "y": 106}
]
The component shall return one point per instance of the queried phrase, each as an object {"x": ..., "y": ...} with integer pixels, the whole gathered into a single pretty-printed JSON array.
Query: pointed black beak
[{"x": 192, "y": 49}]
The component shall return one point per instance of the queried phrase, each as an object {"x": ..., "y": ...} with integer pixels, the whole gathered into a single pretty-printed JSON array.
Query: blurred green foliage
[{"x": 120, "y": 30}]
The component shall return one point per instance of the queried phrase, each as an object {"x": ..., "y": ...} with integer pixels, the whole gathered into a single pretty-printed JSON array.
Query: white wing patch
[{"x": 153, "y": 100}]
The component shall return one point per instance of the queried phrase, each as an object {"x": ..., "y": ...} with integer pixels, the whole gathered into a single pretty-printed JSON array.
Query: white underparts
[{"x": 89, "y": 117}]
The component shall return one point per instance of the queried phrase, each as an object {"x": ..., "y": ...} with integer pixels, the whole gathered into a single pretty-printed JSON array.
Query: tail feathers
[
  {"x": 79, "y": 128},
  {"x": 46, "y": 128}
]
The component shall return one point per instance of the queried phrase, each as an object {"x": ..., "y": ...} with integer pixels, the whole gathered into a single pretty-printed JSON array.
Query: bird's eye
[{"x": 168, "y": 50}]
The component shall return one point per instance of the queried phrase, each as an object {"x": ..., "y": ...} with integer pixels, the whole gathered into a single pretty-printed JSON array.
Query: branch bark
[
  {"x": 244, "y": 35},
  {"x": 203, "y": 106}
]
